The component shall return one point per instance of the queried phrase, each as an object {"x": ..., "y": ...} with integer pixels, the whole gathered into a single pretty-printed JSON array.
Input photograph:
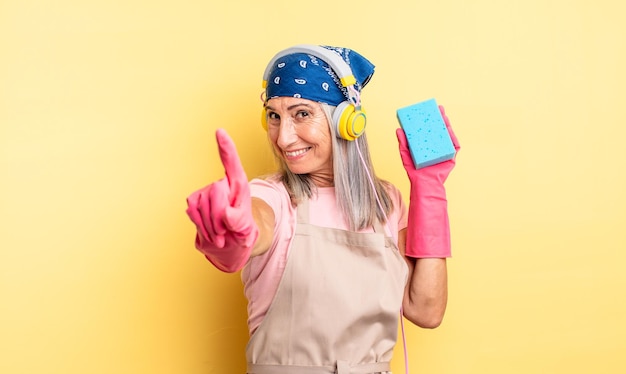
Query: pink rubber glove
[
  {"x": 222, "y": 213},
  {"x": 428, "y": 234}
]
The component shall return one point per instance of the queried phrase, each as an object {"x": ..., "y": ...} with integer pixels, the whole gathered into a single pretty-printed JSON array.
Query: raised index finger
[{"x": 236, "y": 175}]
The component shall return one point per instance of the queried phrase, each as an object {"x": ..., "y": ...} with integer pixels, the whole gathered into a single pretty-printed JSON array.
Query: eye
[
  {"x": 273, "y": 117},
  {"x": 302, "y": 114}
]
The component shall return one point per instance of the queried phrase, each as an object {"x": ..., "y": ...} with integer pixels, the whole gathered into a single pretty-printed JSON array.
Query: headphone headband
[{"x": 335, "y": 61}]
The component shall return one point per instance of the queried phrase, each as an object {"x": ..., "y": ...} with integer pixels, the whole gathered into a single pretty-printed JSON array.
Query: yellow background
[{"x": 107, "y": 117}]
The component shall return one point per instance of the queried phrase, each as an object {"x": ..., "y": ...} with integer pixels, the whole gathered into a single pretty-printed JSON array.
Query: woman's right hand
[{"x": 222, "y": 213}]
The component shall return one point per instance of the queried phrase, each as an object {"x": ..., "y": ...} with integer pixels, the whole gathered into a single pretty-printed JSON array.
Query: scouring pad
[{"x": 426, "y": 133}]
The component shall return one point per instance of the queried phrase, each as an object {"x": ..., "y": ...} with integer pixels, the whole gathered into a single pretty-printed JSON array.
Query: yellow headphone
[{"x": 349, "y": 118}]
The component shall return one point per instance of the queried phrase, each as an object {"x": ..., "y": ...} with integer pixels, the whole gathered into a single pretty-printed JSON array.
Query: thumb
[
  {"x": 241, "y": 224},
  {"x": 239, "y": 219},
  {"x": 446, "y": 120}
]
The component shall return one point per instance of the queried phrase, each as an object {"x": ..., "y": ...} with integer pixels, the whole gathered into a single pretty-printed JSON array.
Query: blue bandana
[{"x": 307, "y": 76}]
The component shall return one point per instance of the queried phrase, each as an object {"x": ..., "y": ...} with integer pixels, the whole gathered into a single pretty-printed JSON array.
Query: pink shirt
[{"x": 262, "y": 274}]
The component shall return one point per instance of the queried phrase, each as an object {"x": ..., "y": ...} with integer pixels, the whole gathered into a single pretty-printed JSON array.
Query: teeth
[{"x": 295, "y": 153}]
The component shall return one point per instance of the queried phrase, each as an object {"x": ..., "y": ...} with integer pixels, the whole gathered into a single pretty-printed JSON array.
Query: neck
[{"x": 323, "y": 180}]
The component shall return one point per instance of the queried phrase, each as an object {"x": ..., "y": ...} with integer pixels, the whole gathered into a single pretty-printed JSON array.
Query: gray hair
[{"x": 353, "y": 189}]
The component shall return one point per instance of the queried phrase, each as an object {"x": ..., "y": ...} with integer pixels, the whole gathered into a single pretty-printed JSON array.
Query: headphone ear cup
[
  {"x": 349, "y": 121},
  {"x": 264, "y": 119}
]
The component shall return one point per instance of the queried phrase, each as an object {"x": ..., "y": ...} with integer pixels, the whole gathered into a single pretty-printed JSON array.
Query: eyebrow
[{"x": 291, "y": 106}]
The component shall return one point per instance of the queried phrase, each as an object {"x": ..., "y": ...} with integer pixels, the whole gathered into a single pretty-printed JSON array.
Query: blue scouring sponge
[{"x": 426, "y": 133}]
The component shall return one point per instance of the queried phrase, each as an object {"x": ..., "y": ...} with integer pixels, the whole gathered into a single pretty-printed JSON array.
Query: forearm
[{"x": 426, "y": 292}]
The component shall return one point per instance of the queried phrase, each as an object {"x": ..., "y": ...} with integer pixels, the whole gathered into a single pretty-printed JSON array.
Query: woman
[{"x": 330, "y": 254}]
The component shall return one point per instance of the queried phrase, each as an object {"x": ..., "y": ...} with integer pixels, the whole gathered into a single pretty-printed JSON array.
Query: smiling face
[{"x": 300, "y": 133}]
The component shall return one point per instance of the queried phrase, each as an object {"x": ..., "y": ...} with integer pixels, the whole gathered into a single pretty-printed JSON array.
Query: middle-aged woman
[{"x": 330, "y": 254}]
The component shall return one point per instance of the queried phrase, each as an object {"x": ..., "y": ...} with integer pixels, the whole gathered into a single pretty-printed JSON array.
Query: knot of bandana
[{"x": 310, "y": 77}]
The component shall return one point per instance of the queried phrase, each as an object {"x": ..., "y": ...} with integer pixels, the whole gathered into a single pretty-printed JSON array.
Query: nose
[{"x": 286, "y": 133}]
